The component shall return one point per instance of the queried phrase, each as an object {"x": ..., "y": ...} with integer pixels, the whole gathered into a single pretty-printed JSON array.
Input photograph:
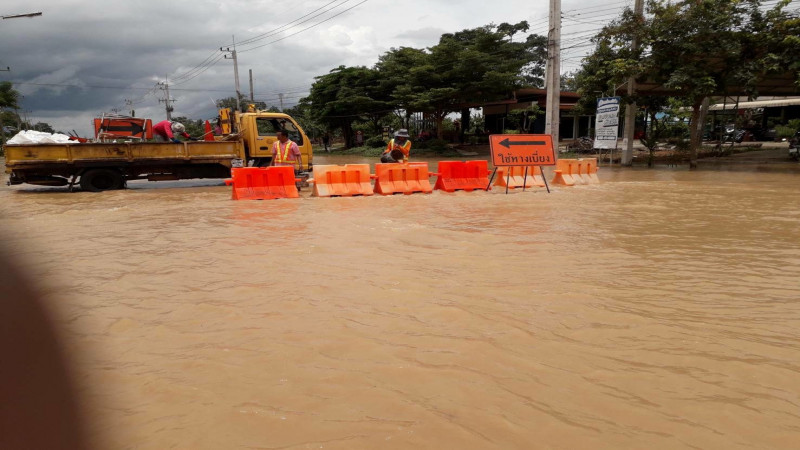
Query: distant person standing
[
  {"x": 285, "y": 152},
  {"x": 166, "y": 130},
  {"x": 326, "y": 141},
  {"x": 398, "y": 148}
]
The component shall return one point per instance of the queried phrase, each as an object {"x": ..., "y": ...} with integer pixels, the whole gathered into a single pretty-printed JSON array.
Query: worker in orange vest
[
  {"x": 285, "y": 152},
  {"x": 398, "y": 148}
]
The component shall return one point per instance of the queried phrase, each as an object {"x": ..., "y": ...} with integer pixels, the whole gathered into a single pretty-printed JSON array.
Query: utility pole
[
  {"x": 280, "y": 97},
  {"x": 232, "y": 56},
  {"x": 553, "y": 76},
  {"x": 630, "y": 109},
  {"x": 252, "y": 98},
  {"x": 168, "y": 101}
]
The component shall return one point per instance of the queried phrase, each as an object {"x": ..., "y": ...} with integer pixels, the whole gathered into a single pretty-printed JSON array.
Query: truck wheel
[{"x": 97, "y": 180}]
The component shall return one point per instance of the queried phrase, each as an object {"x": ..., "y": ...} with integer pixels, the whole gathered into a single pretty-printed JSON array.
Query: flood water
[{"x": 659, "y": 309}]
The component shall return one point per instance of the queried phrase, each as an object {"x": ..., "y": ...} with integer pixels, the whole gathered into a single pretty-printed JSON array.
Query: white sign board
[{"x": 606, "y": 125}]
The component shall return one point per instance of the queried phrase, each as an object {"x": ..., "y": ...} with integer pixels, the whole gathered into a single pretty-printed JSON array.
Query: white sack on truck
[{"x": 38, "y": 137}]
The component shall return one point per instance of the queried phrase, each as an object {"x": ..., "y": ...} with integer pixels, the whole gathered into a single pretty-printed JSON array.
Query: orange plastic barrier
[
  {"x": 563, "y": 172},
  {"x": 463, "y": 175},
  {"x": 517, "y": 177},
  {"x": 347, "y": 180},
  {"x": 591, "y": 170},
  {"x": 570, "y": 172},
  {"x": 256, "y": 183},
  {"x": 579, "y": 172},
  {"x": 395, "y": 178}
]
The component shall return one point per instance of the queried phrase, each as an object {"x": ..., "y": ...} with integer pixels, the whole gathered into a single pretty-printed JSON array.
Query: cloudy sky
[{"x": 80, "y": 59}]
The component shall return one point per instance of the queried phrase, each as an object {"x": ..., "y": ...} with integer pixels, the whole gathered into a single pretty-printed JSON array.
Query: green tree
[
  {"x": 695, "y": 49},
  {"x": 9, "y": 98},
  {"x": 344, "y": 96},
  {"x": 471, "y": 66},
  {"x": 303, "y": 114},
  {"x": 195, "y": 127},
  {"x": 43, "y": 126},
  {"x": 394, "y": 79}
]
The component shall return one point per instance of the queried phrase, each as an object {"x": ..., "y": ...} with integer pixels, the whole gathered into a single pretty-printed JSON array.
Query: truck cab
[{"x": 258, "y": 130}]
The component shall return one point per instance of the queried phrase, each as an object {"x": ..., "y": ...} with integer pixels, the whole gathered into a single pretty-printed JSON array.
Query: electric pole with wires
[
  {"x": 232, "y": 55},
  {"x": 168, "y": 101},
  {"x": 553, "y": 75}
]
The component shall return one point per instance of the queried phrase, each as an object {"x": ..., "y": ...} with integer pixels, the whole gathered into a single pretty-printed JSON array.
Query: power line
[
  {"x": 205, "y": 62},
  {"x": 307, "y": 28},
  {"x": 289, "y": 24}
]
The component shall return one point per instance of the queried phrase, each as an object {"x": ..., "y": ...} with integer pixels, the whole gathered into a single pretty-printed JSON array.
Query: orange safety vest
[
  {"x": 405, "y": 148},
  {"x": 282, "y": 156}
]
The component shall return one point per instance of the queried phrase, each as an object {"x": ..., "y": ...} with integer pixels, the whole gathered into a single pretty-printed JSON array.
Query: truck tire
[{"x": 97, "y": 180}]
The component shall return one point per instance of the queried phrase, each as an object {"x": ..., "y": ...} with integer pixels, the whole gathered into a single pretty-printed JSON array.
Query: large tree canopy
[
  {"x": 695, "y": 49},
  {"x": 470, "y": 66},
  {"x": 345, "y": 95}
]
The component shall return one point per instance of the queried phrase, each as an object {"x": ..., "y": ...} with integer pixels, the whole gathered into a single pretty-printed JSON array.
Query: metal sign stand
[
  {"x": 491, "y": 178},
  {"x": 541, "y": 171},
  {"x": 525, "y": 179}
]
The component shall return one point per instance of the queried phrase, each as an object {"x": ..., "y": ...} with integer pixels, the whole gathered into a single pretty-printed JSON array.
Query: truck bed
[
  {"x": 113, "y": 154},
  {"x": 104, "y": 166}
]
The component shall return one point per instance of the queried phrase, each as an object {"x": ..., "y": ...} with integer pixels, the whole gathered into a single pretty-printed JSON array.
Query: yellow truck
[{"x": 246, "y": 140}]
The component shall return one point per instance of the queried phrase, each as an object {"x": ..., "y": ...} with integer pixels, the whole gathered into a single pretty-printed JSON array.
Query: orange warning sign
[{"x": 522, "y": 150}]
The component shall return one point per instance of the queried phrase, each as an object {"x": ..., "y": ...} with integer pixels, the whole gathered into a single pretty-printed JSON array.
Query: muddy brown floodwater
[{"x": 659, "y": 309}]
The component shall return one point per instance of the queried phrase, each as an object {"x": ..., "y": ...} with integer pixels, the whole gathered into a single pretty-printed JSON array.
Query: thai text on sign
[
  {"x": 522, "y": 150},
  {"x": 606, "y": 123}
]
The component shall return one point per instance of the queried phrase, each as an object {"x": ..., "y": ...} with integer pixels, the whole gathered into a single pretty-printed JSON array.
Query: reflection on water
[{"x": 658, "y": 309}]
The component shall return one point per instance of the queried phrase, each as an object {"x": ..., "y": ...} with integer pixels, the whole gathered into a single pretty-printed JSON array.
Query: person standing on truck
[
  {"x": 398, "y": 148},
  {"x": 166, "y": 130},
  {"x": 285, "y": 152}
]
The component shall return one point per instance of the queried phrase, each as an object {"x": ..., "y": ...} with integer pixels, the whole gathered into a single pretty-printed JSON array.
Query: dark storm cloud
[{"x": 100, "y": 54}]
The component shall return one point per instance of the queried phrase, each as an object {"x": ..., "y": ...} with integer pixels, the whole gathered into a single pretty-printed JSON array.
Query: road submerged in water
[{"x": 659, "y": 309}]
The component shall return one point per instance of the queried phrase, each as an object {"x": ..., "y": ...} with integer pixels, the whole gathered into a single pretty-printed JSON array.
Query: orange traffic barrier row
[
  {"x": 256, "y": 183},
  {"x": 395, "y": 178},
  {"x": 570, "y": 172},
  {"x": 515, "y": 176},
  {"x": 463, "y": 176},
  {"x": 346, "y": 180}
]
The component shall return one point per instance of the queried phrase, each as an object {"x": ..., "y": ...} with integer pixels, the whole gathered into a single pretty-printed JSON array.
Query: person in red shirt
[
  {"x": 166, "y": 130},
  {"x": 285, "y": 152}
]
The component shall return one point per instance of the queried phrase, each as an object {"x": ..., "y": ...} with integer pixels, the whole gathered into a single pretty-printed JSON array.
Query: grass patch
[
  {"x": 376, "y": 152},
  {"x": 361, "y": 151}
]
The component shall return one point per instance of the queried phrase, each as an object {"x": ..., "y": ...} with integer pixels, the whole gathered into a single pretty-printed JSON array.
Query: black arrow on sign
[
  {"x": 134, "y": 128},
  {"x": 507, "y": 143}
]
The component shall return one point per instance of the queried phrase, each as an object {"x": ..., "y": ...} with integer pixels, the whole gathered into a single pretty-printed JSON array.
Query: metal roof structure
[{"x": 765, "y": 103}]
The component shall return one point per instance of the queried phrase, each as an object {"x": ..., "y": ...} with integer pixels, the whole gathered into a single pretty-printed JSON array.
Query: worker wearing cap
[
  {"x": 166, "y": 130},
  {"x": 285, "y": 152},
  {"x": 398, "y": 148}
]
